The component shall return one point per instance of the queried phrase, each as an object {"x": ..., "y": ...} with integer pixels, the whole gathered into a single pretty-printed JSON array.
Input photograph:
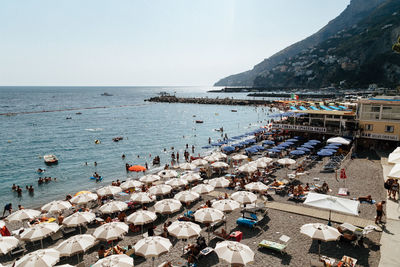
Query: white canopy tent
[{"x": 339, "y": 140}]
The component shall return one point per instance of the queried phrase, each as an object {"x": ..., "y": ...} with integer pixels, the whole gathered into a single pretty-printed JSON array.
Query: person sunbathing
[
  {"x": 118, "y": 250},
  {"x": 300, "y": 190},
  {"x": 275, "y": 183},
  {"x": 307, "y": 188},
  {"x": 365, "y": 199},
  {"x": 102, "y": 252},
  {"x": 134, "y": 228}
]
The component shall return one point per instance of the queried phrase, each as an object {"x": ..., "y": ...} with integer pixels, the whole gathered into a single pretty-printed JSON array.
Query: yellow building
[{"x": 379, "y": 118}]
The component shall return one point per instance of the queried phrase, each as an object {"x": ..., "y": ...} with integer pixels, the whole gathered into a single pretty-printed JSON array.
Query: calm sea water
[{"x": 147, "y": 129}]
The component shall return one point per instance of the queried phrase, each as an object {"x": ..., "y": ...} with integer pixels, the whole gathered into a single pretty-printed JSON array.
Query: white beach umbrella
[
  {"x": 109, "y": 190},
  {"x": 113, "y": 206},
  {"x": 187, "y": 196},
  {"x": 184, "y": 230},
  {"x": 79, "y": 218},
  {"x": 187, "y": 166},
  {"x": 395, "y": 172},
  {"x": 22, "y": 215},
  {"x": 219, "y": 155},
  {"x": 258, "y": 164},
  {"x": 265, "y": 159},
  {"x": 141, "y": 217},
  {"x": 131, "y": 184},
  {"x": 2, "y": 224},
  {"x": 203, "y": 188},
  {"x": 39, "y": 231},
  {"x": 239, "y": 157},
  {"x": 121, "y": 260},
  {"x": 160, "y": 189},
  {"x": 339, "y": 140},
  {"x": 151, "y": 178},
  {"x": 226, "y": 205},
  {"x": 83, "y": 198},
  {"x": 176, "y": 182},
  {"x": 56, "y": 206},
  {"x": 75, "y": 245},
  {"x": 394, "y": 158},
  {"x": 332, "y": 203},
  {"x": 191, "y": 177},
  {"x": 244, "y": 197},
  {"x": 286, "y": 161},
  {"x": 39, "y": 258},
  {"x": 152, "y": 246},
  {"x": 7, "y": 243},
  {"x": 167, "y": 206},
  {"x": 208, "y": 215},
  {"x": 234, "y": 253},
  {"x": 219, "y": 165},
  {"x": 219, "y": 182},
  {"x": 256, "y": 186},
  {"x": 200, "y": 162},
  {"x": 248, "y": 168},
  {"x": 110, "y": 231},
  {"x": 142, "y": 197},
  {"x": 320, "y": 232},
  {"x": 168, "y": 174},
  {"x": 211, "y": 158}
]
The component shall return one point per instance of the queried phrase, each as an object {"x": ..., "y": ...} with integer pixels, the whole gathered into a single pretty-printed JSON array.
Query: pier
[{"x": 209, "y": 101}]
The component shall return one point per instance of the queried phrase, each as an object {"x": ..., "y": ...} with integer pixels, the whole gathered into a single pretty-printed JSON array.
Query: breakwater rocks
[{"x": 209, "y": 101}]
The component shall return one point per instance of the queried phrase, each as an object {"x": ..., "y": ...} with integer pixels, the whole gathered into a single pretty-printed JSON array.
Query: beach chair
[
  {"x": 130, "y": 252},
  {"x": 19, "y": 249},
  {"x": 279, "y": 247}
]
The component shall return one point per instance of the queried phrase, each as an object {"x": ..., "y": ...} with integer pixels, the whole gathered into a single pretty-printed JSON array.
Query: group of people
[
  {"x": 46, "y": 180},
  {"x": 18, "y": 189},
  {"x": 392, "y": 186}
]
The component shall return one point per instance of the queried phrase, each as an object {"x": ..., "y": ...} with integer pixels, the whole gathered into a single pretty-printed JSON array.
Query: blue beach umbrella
[
  {"x": 251, "y": 150},
  {"x": 315, "y": 141},
  {"x": 268, "y": 142},
  {"x": 310, "y": 144},
  {"x": 251, "y": 141},
  {"x": 331, "y": 147},
  {"x": 259, "y": 147},
  {"x": 324, "y": 153},
  {"x": 236, "y": 137},
  {"x": 307, "y": 146},
  {"x": 304, "y": 149},
  {"x": 205, "y": 147},
  {"x": 329, "y": 150},
  {"x": 297, "y": 152},
  {"x": 274, "y": 150},
  {"x": 335, "y": 144},
  {"x": 292, "y": 140},
  {"x": 285, "y": 145},
  {"x": 228, "y": 148}
]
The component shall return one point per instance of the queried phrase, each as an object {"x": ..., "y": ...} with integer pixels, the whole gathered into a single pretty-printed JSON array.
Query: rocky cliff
[{"x": 340, "y": 53}]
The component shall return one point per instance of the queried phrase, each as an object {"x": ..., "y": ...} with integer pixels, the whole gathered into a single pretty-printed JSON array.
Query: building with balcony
[
  {"x": 325, "y": 120},
  {"x": 379, "y": 119}
]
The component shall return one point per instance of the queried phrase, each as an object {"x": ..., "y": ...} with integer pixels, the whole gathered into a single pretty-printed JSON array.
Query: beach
[{"x": 364, "y": 177}]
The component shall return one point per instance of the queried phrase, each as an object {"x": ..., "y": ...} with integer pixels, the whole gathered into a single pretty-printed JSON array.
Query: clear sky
[{"x": 148, "y": 42}]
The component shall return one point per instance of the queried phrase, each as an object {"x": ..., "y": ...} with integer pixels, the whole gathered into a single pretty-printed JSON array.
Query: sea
[{"x": 66, "y": 121}]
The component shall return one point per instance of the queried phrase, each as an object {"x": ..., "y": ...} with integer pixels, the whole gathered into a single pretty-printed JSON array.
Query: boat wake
[{"x": 94, "y": 129}]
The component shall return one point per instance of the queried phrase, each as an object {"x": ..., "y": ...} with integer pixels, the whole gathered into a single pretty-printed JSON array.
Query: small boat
[
  {"x": 198, "y": 121},
  {"x": 233, "y": 110},
  {"x": 106, "y": 94},
  {"x": 50, "y": 159},
  {"x": 78, "y": 113},
  {"x": 119, "y": 138}
]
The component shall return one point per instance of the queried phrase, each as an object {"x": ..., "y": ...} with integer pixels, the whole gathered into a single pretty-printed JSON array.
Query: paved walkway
[
  {"x": 390, "y": 240},
  {"x": 320, "y": 214}
]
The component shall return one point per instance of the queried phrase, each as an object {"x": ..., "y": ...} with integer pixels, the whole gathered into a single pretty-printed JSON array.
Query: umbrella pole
[
  {"x": 153, "y": 262},
  {"x": 80, "y": 229},
  {"x": 41, "y": 243},
  {"x": 319, "y": 248},
  {"x": 78, "y": 257},
  {"x": 329, "y": 221}
]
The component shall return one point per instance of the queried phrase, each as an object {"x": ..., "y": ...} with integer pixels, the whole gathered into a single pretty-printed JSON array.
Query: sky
[{"x": 148, "y": 42}]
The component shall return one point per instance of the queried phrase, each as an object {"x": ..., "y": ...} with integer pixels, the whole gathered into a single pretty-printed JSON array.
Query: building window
[
  {"x": 389, "y": 128},
  {"x": 369, "y": 127}
]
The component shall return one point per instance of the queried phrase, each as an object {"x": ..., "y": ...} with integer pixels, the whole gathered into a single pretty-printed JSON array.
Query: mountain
[{"x": 347, "y": 50}]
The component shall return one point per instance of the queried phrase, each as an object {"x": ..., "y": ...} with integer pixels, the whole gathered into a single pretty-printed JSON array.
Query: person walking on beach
[
  {"x": 395, "y": 188},
  {"x": 379, "y": 211},
  {"x": 7, "y": 207}
]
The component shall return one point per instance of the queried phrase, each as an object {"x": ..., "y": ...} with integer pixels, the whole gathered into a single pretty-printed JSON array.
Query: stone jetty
[{"x": 210, "y": 101}]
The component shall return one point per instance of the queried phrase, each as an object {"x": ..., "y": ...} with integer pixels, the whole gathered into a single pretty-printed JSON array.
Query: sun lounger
[
  {"x": 246, "y": 222},
  {"x": 19, "y": 249},
  {"x": 57, "y": 235},
  {"x": 274, "y": 245}
]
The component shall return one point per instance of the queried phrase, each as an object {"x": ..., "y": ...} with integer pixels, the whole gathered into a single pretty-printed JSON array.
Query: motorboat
[
  {"x": 50, "y": 159},
  {"x": 106, "y": 94}
]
